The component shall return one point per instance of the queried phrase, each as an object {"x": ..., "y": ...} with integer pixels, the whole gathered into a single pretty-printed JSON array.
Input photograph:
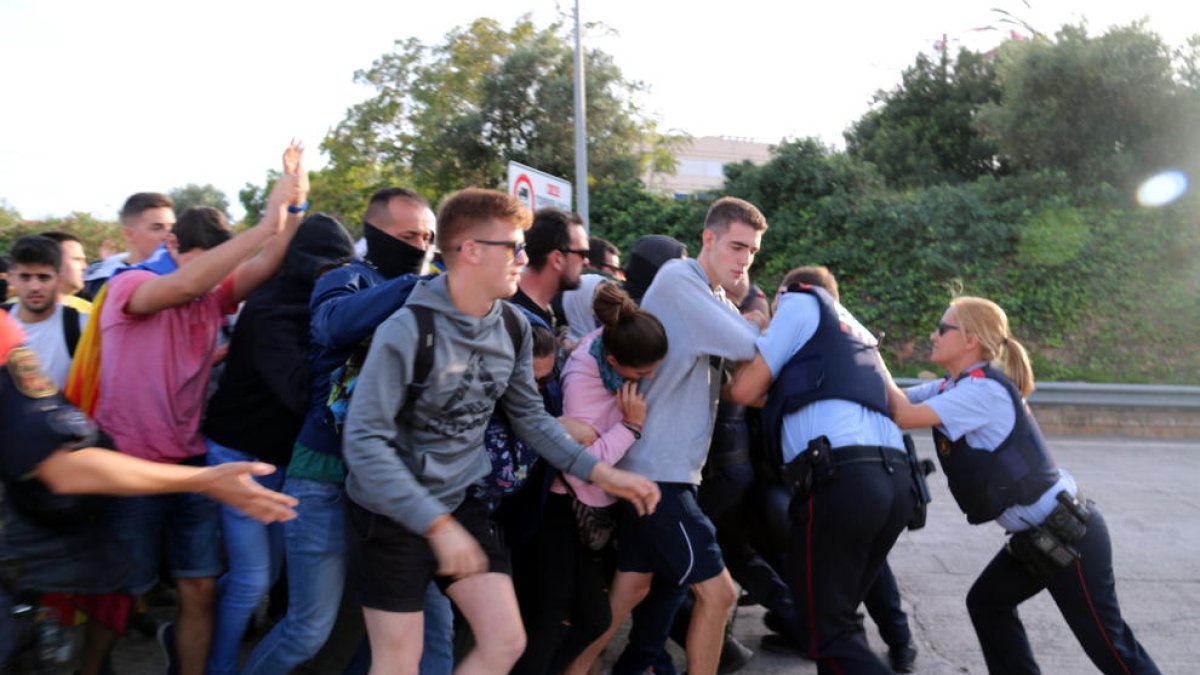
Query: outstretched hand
[
  {"x": 642, "y": 492},
  {"x": 294, "y": 166},
  {"x": 292, "y": 156},
  {"x": 233, "y": 484}
]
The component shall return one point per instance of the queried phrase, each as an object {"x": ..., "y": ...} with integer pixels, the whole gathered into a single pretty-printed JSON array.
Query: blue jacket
[{"x": 348, "y": 304}]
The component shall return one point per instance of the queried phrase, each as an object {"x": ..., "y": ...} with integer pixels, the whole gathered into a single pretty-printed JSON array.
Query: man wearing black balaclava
[
  {"x": 398, "y": 227},
  {"x": 348, "y": 304}
]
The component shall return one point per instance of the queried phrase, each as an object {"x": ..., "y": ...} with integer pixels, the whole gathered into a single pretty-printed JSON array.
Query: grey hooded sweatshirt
[{"x": 417, "y": 466}]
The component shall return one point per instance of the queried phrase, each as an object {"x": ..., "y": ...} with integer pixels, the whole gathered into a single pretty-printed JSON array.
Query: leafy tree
[
  {"x": 453, "y": 114},
  {"x": 87, "y": 227},
  {"x": 199, "y": 195},
  {"x": 922, "y": 132},
  {"x": 1113, "y": 108},
  {"x": 799, "y": 173}
]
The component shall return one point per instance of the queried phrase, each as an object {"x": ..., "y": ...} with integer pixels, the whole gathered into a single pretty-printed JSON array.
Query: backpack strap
[
  {"x": 423, "y": 359},
  {"x": 513, "y": 325},
  {"x": 71, "y": 330}
]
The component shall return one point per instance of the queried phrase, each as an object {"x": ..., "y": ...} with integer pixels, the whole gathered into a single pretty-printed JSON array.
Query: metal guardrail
[{"x": 1114, "y": 395}]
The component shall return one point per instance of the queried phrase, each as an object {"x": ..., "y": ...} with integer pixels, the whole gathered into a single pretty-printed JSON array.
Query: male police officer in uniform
[
  {"x": 827, "y": 415},
  {"x": 51, "y": 540}
]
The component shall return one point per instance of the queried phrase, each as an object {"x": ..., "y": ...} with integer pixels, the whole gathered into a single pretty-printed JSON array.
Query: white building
[{"x": 700, "y": 164}]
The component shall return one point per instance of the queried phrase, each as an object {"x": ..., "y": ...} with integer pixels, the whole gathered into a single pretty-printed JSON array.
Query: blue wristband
[{"x": 298, "y": 209}]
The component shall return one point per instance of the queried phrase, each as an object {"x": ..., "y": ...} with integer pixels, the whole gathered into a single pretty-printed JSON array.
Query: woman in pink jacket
[{"x": 600, "y": 388}]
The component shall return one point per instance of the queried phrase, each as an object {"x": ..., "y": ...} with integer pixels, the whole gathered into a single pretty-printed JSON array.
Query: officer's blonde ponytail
[{"x": 987, "y": 321}]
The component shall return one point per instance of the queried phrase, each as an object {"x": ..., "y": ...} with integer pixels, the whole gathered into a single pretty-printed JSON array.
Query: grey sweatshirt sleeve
[
  {"x": 711, "y": 326},
  {"x": 535, "y": 426},
  {"x": 378, "y": 478}
]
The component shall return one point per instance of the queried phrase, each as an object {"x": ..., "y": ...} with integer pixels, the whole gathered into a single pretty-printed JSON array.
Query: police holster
[
  {"x": 1047, "y": 548},
  {"x": 814, "y": 466},
  {"x": 920, "y": 468}
]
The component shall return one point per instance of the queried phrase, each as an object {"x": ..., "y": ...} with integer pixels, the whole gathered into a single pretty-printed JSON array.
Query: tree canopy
[
  {"x": 199, "y": 195},
  {"x": 453, "y": 114}
]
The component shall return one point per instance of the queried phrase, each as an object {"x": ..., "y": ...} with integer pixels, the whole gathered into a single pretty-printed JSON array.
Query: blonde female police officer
[{"x": 998, "y": 468}]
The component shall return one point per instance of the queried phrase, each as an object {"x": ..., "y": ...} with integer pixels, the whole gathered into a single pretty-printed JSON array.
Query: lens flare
[{"x": 1162, "y": 189}]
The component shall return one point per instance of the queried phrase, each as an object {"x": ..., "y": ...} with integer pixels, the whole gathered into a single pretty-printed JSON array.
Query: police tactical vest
[
  {"x": 835, "y": 363},
  {"x": 1019, "y": 471}
]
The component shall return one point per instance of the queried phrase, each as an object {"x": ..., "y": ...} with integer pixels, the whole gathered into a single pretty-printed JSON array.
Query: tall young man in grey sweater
[
  {"x": 678, "y": 542},
  {"x": 412, "y": 463}
]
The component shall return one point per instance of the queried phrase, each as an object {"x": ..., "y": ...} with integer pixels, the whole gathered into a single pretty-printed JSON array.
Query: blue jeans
[
  {"x": 316, "y": 554},
  {"x": 438, "y": 655},
  {"x": 255, "y": 554}
]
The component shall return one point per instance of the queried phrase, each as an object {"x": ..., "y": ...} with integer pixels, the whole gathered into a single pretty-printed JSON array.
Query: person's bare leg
[
  {"x": 706, "y": 633},
  {"x": 489, "y": 604},
  {"x": 628, "y": 589},
  {"x": 98, "y": 641},
  {"x": 397, "y": 639},
  {"x": 194, "y": 629}
]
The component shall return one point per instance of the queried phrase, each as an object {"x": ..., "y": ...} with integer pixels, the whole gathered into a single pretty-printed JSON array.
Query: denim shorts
[{"x": 183, "y": 527}]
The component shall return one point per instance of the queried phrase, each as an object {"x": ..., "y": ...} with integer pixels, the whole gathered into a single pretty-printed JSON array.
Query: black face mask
[{"x": 391, "y": 256}]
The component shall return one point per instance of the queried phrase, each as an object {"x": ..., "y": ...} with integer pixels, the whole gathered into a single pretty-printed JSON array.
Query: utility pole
[{"x": 581, "y": 162}]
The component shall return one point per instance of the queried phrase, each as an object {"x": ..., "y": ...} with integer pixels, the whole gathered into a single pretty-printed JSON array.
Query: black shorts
[
  {"x": 677, "y": 542},
  {"x": 393, "y": 565}
]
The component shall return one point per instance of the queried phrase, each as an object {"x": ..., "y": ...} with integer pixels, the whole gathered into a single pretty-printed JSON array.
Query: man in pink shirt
[{"x": 158, "y": 337}]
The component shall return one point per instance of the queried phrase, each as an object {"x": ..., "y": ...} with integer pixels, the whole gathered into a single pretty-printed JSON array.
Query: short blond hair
[{"x": 473, "y": 208}]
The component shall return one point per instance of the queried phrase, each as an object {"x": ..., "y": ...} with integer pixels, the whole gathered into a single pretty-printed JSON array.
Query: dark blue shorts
[
  {"x": 677, "y": 542},
  {"x": 184, "y": 527}
]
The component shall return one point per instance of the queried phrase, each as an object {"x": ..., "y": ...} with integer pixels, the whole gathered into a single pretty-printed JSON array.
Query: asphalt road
[{"x": 1148, "y": 493}]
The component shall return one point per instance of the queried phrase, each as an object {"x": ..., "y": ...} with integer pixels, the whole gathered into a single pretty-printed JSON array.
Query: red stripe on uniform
[{"x": 1096, "y": 616}]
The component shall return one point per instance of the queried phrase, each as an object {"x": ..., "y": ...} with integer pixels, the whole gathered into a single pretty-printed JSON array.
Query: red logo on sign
[{"x": 552, "y": 189}]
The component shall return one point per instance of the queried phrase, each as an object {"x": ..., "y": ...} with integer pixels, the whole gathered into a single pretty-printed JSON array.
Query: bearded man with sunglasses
[{"x": 557, "y": 245}]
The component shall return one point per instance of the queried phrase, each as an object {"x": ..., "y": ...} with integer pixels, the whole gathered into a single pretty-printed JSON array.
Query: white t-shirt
[{"x": 48, "y": 342}]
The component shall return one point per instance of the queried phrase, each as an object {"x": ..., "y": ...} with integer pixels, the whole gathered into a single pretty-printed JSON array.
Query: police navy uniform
[
  {"x": 827, "y": 415},
  {"x": 998, "y": 468},
  {"x": 54, "y": 543}
]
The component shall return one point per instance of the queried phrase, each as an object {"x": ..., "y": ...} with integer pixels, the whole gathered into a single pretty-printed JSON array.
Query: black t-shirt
[{"x": 528, "y": 303}]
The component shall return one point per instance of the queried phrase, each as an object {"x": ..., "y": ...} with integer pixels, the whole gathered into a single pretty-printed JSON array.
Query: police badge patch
[{"x": 26, "y": 372}]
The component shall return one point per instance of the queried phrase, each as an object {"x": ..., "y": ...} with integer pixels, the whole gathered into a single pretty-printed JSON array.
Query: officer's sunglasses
[{"x": 943, "y": 328}]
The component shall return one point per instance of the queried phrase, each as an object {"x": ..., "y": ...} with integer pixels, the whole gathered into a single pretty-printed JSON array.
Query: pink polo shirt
[
  {"x": 585, "y": 398},
  {"x": 155, "y": 369}
]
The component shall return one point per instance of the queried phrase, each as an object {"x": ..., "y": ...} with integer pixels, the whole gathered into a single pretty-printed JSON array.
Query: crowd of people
[{"x": 476, "y": 442}]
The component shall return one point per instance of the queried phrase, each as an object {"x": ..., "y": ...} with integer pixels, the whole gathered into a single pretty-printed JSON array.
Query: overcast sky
[{"x": 100, "y": 99}]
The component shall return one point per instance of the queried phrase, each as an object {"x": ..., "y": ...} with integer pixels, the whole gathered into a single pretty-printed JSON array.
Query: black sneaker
[
  {"x": 166, "y": 640},
  {"x": 734, "y": 657},
  {"x": 903, "y": 658}
]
